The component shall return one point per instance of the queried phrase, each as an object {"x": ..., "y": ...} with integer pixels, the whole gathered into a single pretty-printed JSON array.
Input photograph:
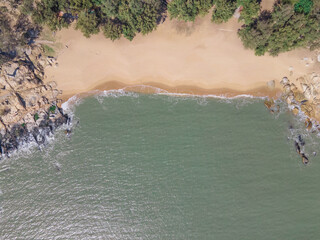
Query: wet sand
[{"x": 195, "y": 58}]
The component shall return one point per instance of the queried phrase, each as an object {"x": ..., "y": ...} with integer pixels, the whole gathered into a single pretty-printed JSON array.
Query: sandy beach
[{"x": 200, "y": 58}]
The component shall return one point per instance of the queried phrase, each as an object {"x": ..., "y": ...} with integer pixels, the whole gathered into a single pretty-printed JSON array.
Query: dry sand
[{"x": 180, "y": 57}]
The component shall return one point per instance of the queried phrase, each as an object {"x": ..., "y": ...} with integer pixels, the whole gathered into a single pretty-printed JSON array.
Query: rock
[
  {"x": 304, "y": 87},
  {"x": 297, "y": 146},
  {"x": 307, "y": 93},
  {"x": 301, "y": 141},
  {"x": 24, "y": 103},
  {"x": 269, "y": 103},
  {"x": 28, "y": 51},
  {"x": 284, "y": 81},
  {"x": 306, "y": 107},
  {"x": 305, "y": 159},
  {"x": 10, "y": 68},
  {"x": 295, "y": 111},
  {"x": 299, "y": 97},
  {"x": 271, "y": 84},
  {"x": 290, "y": 99},
  {"x": 308, "y": 123},
  {"x": 318, "y": 58}
]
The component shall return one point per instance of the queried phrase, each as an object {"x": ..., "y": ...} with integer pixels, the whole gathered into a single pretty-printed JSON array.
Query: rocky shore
[
  {"x": 303, "y": 98},
  {"x": 29, "y": 108}
]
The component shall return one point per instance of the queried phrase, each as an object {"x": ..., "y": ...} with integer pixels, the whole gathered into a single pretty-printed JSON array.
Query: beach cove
[{"x": 194, "y": 58}]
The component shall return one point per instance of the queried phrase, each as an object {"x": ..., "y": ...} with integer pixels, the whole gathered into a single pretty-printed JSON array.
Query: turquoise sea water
[{"x": 162, "y": 167}]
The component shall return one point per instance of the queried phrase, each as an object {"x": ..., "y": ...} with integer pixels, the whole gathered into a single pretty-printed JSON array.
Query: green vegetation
[
  {"x": 112, "y": 30},
  {"x": 48, "y": 51},
  {"x": 223, "y": 10},
  {"x": 52, "y": 109},
  {"x": 251, "y": 9},
  {"x": 114, "y": 17},
  {"x": 291, "y": 23},
  {"x": 188, "y": 10},
  {"x": 36, "y": 117},
  {"x": 303, "y": 6},
  {"x": 16, "y": 31},
  {"x": 282, "y": 30}
]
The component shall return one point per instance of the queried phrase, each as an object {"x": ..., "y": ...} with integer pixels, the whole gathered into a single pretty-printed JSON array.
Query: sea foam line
[{"x": 76, "y": 99}]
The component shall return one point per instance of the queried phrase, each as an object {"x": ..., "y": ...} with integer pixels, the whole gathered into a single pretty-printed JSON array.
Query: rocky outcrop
[
  {"x": 28, "y": 107},
  {"x": 304, "y": 96}
]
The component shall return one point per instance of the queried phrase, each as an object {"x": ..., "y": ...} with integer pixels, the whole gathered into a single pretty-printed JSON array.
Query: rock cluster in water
[
  {"x": 304, "y": 96},
  {"x": 28, "y": 107}
]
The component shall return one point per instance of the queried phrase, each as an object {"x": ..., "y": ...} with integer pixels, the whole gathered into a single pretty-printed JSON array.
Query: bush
[
  {"x": 112, "y": 30},
  {"x": 88, "y": 23},
  {"x": 48, "y": 51},
  {"x": 282, "y": 30},
  {"x": 223, "y": 10},
  {"x": 188, "y": 10},
  {"x": 36, "y": 117},
  {"x": 251, "y": 9},
  {"x": 52, "y": 109},
  {"x": 303, "y": 6}
]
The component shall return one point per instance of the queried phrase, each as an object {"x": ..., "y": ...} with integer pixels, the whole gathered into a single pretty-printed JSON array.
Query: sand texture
[{"x": 199, "y": 57}]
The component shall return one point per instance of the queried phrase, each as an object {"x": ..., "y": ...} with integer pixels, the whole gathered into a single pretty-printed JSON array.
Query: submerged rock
[
  {"x": 305, "y": 159},
  {"x": 269, "y": 103},
  {"x": 295, "y": 111},
  {"x": 308, "y": 123}
]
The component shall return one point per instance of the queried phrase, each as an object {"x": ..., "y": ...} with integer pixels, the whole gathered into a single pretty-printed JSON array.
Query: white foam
[
  {"x": 70, "y": 103},
  {"x": 75, "y": 100}
]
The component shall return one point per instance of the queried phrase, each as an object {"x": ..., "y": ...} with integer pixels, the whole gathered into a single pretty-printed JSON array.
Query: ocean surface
[{"x": 163, "y": 167}]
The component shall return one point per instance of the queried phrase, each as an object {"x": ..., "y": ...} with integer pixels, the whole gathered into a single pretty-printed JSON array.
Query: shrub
[
  {"x": 188, "y": 10},
  {"x": 223, "y": 10},
  {"x": 303, "y": 6}
]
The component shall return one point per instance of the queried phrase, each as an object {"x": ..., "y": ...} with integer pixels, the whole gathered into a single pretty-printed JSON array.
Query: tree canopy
[
  {"x": 115, "y": 17},
  {"x": 188, "y": 10},
  {"x": 291, "y": 23},
  {"x": 282, "y": 30},
  {"x": 16, "y": 31},
  {"x": 223, "y": 10}
]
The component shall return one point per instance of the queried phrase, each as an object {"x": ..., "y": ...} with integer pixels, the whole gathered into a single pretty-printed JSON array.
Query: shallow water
[{"x": 163, "y": 167}]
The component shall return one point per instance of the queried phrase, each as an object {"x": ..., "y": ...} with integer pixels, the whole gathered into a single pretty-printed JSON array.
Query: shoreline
[
  {"x": 196, "y": 58},
  {"x": 158, "y": 88}
]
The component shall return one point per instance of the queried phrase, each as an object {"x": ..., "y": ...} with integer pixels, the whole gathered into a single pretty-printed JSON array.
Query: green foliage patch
[
  {"x": 36, "y": 117},
  {"x": 48, "y": 51},
  {"x": 282, "y": 30},
  {"x": 52, "y": 109},
  {"x": 251, "y": 9},
  {"x": 223, "y": 10},
  {"x": 115, "y": 17},
  {"x": 188, "y": 10},
  {"x": 303, "y": 6},
  {"x": 16, "y": 31}
]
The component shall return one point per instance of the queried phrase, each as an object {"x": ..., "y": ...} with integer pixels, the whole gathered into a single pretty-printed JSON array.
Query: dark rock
[
  {"x": 305, "y": 159},
  {"x": 301, "y": 141},
  {"x": 297, "y": 146}
]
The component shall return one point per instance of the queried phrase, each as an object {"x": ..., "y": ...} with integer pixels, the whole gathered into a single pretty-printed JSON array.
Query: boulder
[
  {"x": 284, "y": 81},
  {"x": 305, "y": 159},
  {"x": 295, "y": 111},
  {"x": 308, "y": 123},
  {"x": 269, "y": 103},
  {"x": 299, "y": 97},
  {"x": 271, "y": 84}
]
